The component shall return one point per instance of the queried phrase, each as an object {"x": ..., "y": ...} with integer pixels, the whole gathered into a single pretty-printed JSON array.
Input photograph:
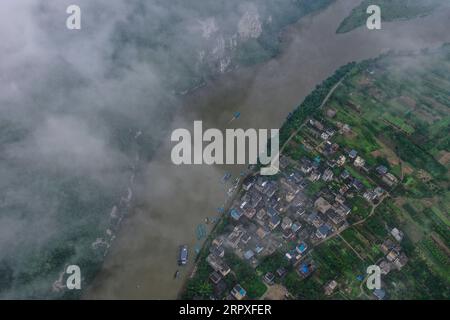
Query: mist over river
[{"x": 174, "y": 200}]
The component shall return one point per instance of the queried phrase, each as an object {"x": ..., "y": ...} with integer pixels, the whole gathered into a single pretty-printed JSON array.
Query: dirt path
[
  {"x": 351, "y": 247},
  {"x": 330, "y": 93}
]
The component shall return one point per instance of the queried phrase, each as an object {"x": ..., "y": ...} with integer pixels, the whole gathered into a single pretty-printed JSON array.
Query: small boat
[
  {"x": 226, "y": 177},
  {"x": 221, "y": 210},
  {"x": 213, "y": 220},
  {"x": 236, "y": 115},
  {"x": 177, "y": 273},
  {"x": 201, "y": 231},
  {"x": 183, "y": 255}
]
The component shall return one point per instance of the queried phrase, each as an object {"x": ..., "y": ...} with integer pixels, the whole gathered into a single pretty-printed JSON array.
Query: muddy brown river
[{"x": 143, "y": 259}]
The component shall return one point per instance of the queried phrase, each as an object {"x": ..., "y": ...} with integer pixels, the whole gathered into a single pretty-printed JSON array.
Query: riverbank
[
  {"x": 312, "y": 103},
  {"x": 239, "y": 255}
]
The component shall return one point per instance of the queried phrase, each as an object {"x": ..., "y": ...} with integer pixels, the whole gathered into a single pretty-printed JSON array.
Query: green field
[
  {"x": 406, "y": 108},
  {"x": 399, "y": 123},
  {"x": 399, "y": 117},
  {"x": 335, "y": 261}
]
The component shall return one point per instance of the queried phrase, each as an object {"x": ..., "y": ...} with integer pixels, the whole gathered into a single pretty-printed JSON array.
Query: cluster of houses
[
  {"x": 281, "y": 214},
  {"x": 394, "y": 258}
]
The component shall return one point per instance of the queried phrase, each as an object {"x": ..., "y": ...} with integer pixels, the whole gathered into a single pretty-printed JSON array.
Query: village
[
  {"x": 308, "y": 202},
  {"x": 362, "y": 184}
]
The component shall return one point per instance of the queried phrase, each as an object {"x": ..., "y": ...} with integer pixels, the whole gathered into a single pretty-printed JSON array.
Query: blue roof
[
  {"x": 301, "y": 247},
  {"x": 324, "y": 229},
  {"x": 239, "y": 289},
  {"x": 275, "y": 219},
  {"x": 249, "y": 254},
  {"x": 235, "y": 214},
  {"x": 304, "y": 268},
  {"x": 272, "y": 212}
]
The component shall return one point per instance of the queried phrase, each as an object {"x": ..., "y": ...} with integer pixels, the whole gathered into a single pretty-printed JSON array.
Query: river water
[{"x": 142, "y": 262}]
